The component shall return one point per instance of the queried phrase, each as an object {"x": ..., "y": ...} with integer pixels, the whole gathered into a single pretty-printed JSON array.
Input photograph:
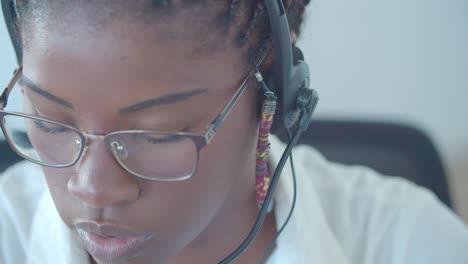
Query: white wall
[{"x": 400, "y": 60}]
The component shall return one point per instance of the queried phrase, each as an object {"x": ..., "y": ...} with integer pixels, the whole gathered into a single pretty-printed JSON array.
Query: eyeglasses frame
[{"x": 200, "y": 139}]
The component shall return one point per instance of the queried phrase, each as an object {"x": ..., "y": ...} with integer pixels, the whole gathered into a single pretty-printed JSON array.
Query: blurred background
[{"x": 398, "y": 61}]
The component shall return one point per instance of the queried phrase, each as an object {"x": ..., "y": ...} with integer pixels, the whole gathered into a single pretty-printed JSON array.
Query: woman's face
[{"x": 100, "y": 72}]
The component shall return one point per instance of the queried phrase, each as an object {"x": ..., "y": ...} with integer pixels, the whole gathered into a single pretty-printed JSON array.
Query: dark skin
[{"x": 200, "y": 220}]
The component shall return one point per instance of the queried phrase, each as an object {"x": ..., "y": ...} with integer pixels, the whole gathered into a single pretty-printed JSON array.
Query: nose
[{"x": 99, "y": 181}]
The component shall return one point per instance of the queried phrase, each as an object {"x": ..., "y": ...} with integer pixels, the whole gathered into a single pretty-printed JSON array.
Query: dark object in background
[
  {"x": 7, "y": 156},
  {"x": 391, "y": 149}
]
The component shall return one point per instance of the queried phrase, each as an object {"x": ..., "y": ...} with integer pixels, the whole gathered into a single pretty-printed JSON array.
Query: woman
[{"x": 94, "y": 67}]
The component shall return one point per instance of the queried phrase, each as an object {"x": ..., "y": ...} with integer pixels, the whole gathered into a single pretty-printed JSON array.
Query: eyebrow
[
  {"x": 164, "y": 100},
  {"x": 154, "y": 102},
  {"x": 33, "y": 87}
]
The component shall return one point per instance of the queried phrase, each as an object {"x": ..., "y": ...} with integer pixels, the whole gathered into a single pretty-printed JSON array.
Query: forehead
[
  {"x": 130, "y": 36},
  {"x": 124, "y": 61},
  {"x": 123, "y": 40},
  {"x": 201, "y": 25},
  {"x": 137, "y": 55}
]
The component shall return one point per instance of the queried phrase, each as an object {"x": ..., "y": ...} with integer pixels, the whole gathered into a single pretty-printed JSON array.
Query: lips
[{"x": 110, "y": 243}]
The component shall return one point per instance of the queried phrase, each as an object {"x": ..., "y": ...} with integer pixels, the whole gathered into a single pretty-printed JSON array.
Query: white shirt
[{"x": 344, "y": 214}]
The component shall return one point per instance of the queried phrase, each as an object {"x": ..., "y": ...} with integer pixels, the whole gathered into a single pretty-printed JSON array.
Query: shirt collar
[
  {"x": 307, "y": 238},
  {"x": 51, "y": 240}
]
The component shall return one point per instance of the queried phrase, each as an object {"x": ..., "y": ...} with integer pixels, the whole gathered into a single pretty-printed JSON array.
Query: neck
[{"x": 227, "y": 232}]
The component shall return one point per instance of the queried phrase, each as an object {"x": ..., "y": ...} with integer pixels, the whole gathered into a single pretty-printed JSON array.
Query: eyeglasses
[{"x": 149, "y": 154}]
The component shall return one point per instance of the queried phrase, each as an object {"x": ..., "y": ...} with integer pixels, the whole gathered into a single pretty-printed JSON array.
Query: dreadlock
[{"x": 258, "y": 26}]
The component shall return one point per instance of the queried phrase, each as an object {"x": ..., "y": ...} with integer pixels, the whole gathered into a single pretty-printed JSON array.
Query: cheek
[
  {"x": 226, "y": 171},
  {"x": 180, "y": 211},
  {"x": 57, "y": 180},
  {"x": 227, "y": 164}
]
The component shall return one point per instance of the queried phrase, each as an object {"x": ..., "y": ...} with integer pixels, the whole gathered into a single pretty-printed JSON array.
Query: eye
[
  {"x": 162, "y": 139},
  {"x": 50, "y": 127}
]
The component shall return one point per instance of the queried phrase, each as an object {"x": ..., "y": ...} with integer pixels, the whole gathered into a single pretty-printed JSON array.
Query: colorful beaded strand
[{"x": 262, "y": 172}]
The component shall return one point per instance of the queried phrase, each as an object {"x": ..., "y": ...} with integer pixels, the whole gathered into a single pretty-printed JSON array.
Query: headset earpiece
[
  {"x": 297, "y": 55},
  {"x": 289, "y": 74}
]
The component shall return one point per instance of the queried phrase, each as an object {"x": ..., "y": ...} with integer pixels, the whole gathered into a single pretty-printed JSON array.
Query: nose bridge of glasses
[
  {"x": 115, "y": 145},
  {"x": 92, "y": 137}
]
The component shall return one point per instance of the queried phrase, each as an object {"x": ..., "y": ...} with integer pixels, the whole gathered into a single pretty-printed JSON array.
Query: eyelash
[
  {"x": 41, "y": 125},
  {"x": 167, "y": 139}
]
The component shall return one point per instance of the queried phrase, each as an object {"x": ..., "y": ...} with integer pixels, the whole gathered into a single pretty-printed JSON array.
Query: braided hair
[{"x": 258, "y": 25}]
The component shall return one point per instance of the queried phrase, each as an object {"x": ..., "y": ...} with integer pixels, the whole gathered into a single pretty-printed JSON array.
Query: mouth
[{"x": 110, "y": 243}]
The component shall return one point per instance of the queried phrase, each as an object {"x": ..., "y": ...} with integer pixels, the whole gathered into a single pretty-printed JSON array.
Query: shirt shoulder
[
  {"x": 21, "y": 186},
  {"x": 382, "y": 219}
]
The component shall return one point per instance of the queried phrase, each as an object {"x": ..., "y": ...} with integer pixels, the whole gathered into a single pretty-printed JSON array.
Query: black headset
[
  {"x": 289, "y": 74},
  {"x": 288, "y": 78}
]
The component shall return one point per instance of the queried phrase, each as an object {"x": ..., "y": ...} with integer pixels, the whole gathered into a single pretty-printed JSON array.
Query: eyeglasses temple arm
[
  {"x": 211, "y": 131},
  {"x": 6, "y": 92},
  {"x": 223, "y": 115}
]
